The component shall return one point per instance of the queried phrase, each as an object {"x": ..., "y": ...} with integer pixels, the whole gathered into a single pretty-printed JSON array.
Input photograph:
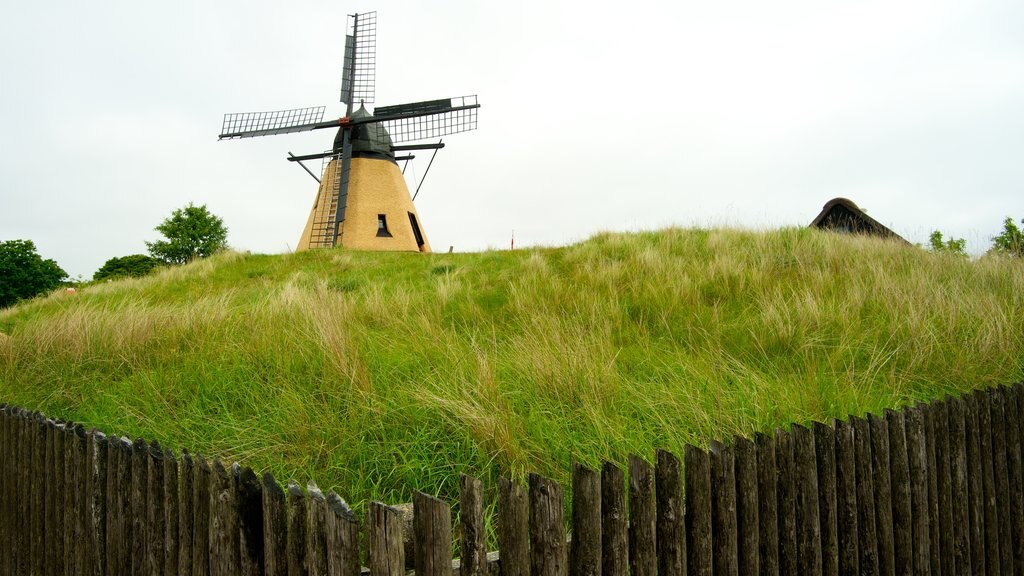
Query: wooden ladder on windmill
[{"x": 322, "y": 234}]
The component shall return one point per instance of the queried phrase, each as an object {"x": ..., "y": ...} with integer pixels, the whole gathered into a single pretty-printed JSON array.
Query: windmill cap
[{"x": 368, "y": 140}]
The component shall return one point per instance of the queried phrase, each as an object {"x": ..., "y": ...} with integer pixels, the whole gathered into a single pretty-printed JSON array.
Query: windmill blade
[
  {"x": 359, "y": 72},
  {"x": 249, "y": 124},
  {"x": 431, "y": 119}
]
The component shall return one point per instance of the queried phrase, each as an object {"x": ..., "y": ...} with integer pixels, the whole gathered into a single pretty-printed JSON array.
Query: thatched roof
[{"x": 842, "y": 215}]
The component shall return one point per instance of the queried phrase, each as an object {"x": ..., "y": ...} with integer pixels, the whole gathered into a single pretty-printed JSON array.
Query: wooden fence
[{"x": 931, "y": 489}]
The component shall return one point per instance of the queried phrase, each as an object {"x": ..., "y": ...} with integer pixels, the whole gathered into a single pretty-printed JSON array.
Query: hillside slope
[{"x": 380, "y": 373}]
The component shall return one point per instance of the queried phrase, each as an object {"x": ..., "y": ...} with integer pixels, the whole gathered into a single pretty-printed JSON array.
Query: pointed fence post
[
  {"x": 316, "y": 537},
  {"x": 513, "y": 528},
  {"x": 585, "y": 548},
  {"x": 671, "y": 526},
  {"x": 643, "y": 557},
  {"x": 186, "y": 516},
  {"x": 724, "y": 542},
  {"x": 881, "y": 479},
  {"x": 250, "y": 523},
  {"x": 342, "y": 538},
  {"x": 697, "y": 515},
  {"x": 867, "y": 545},
  {"x": 297, "y": 514},
  {"x": 385, "y": 539},
  {"x": 275, "y": 528},
  {"x": 471, "y": 518},
  {"x": 432, "y": 524},
  {"x": 825, "y": 452},
  {"x": 172, "y": 505},
  {"x": 547, "y": 528},
  {"x": 614, "y": 530},
  {"x": 748, "y": 537}
]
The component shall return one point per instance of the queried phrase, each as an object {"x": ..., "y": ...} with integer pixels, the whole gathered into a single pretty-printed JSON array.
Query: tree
[
  {"x": 191, "y": 232},
  {"x": 957, "y": 246},
  {"x": 135, "y": 266},
  {"x": 24, "y": 273},
  {"x": 1011, "y": 241}
]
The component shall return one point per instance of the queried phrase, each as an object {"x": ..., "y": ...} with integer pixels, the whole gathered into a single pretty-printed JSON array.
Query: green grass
[{"x": 377, "y": 374}]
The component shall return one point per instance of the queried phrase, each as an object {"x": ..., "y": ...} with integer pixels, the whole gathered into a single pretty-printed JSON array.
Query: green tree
[
  {"x": 191, "y": 232},
  {"x": 1011, "y": 241},
  {"x": 134, "y": 266},
  {"x": 24, "y": 273},
  {"x": 956, "y": 246}
]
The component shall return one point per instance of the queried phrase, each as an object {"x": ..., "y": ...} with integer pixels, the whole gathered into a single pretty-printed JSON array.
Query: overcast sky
[{"x": 595, "y": 116}]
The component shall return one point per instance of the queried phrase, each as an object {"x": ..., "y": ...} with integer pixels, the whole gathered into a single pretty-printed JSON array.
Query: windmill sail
[
  {"x": 359, "y": 73},
  {"x": 430, "y": 119},
  {"x": 249, "y": 124}
]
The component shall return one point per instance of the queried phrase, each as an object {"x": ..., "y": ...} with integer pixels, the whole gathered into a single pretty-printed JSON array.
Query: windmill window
[{"x": 382, "y": 226}]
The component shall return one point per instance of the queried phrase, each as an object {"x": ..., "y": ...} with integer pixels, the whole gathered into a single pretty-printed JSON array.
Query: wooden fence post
[
  {"x": 50, "y": 514},
  {"x": 432, "y": 524},
  {"x": 847, "y": 530},
  {"x": 917, "y": 462},
  {"x": 297, "y": 525},
  {"x": 513, "y": 528},
  {"x": 825, "y": 457},
  {"x": 805, "y": 469},
  {"x": 37, "y": 431},
  {"x": 5, "y": 483},
  {"x": 614, "y": 529},
  {"x": 867, "y": 545},
  {"x": 585, "y": 548},
  {"x": 786, "y": 501},
  {"x": 275, "y": 528},
  {"x": 975, "y": 506},
  {"x": 881, "y": 476},
  {"x": 747, "y": 539},
  {"x": 250, "y": 524},
  {"x": 899, "y": 482},
  {"x": 1013, "y": 465},
  {"x": 224, "y": 559},
  {"x": 698, "y": 511},
  {"x": 201, "y": 481},
  {"x": 934, "y": 521},
  {"x": 943, "y": 459},
  {"x": 119, "y": 524},
  {"x": 767, "y": 505},
  {"x": 97, "y": 452},
  {"x": 386, "y": 542},
  {"x": 958, "y": 486},
  {"x": 186, "y": 514},
  {"x": 140, "y": 480},
  {"x": 643, "y": 557},
  {"x": 547, "y": 528},
  {"x": 990, "y": 528},
  {"x": 669, "y": 527},
  {"x": 156, "y": 526},
  {"x": 471, "y": 519},
  {"x": 342, "y": 538},
  {"x": 172, "y": 505},
  {"x": 724, "y": 545},
  {"x": 1002, "y": 470},
  {"x": 316, "y": 536},
  {"x": 37, "y": 451},
  {"x": 5, "y": 548}
]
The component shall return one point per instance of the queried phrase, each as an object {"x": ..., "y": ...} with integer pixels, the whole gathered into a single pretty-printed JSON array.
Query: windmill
[{"x": 362, "y": 201}]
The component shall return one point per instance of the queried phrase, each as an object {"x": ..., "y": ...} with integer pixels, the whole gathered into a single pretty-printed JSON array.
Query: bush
[
  {"x": 134, "y": 266},
  {"x": 24, "y": 273},
  {"x": 191, "y": 232},
  {"x": 956, "y": 246},
  {"x": 1011, "y": 241}
]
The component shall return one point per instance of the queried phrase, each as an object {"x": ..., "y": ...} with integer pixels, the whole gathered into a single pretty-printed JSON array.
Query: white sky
[{"x": 596, "y": 116}]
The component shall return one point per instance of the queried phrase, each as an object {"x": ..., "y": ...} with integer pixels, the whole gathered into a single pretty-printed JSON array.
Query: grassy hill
[{"x": 380, "y": 373}]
